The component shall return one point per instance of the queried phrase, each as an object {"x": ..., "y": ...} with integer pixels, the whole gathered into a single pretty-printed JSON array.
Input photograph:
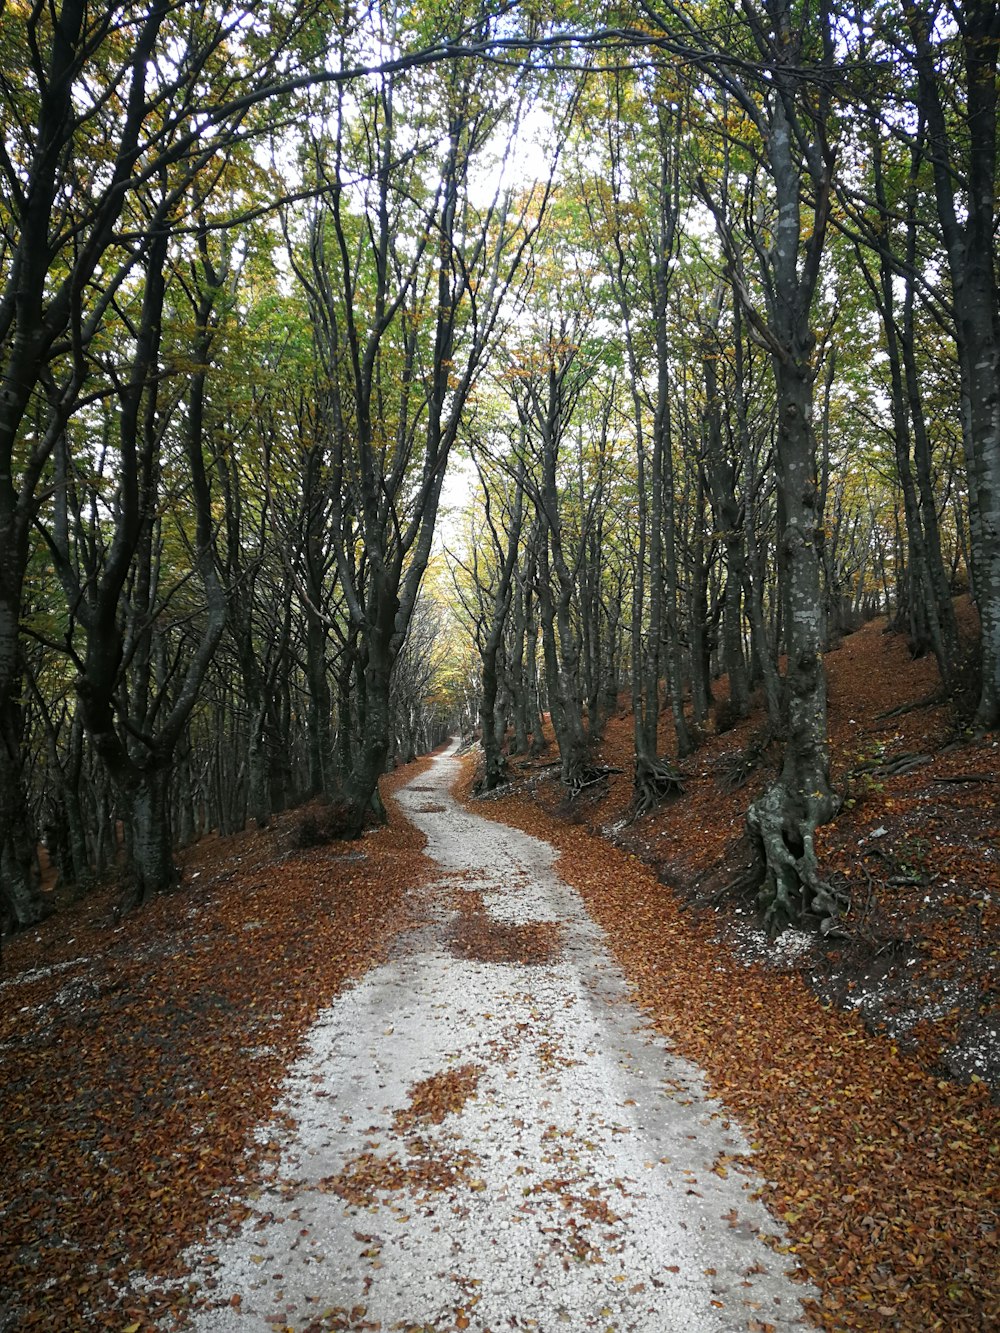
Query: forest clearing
[{"x": 144, "y": 1061}]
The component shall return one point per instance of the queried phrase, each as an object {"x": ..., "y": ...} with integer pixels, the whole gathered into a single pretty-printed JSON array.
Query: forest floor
[
  {"x": 144, "y": 1065},
  {"x": 915, "y": 849},
  {"x": 865, "y": 1068}
]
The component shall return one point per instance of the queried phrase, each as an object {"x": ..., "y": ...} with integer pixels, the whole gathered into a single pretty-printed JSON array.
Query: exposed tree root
[
  {"x": 129, "y": 900},
  {"x": 134, "y": 894},
  {"x": 587, "y": 775},
  {"x": 492, "y": 776},
  {"x": 900, "y": 763},
  {"x": 792, "y": 889},
  {"x": 738, "y": 876},
  {"x": 655, "y": 780},
  {"x": 736, "y": 769},
  {"x": 931, "y": 701}
]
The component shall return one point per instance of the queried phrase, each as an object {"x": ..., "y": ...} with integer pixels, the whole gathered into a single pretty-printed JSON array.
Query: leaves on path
[
  {"x": 886, "y": 1177},
  {"x": 136, "y": 1061},
  {"x": 427, "y": 1169},
  {"x": 886, "y": 1174},
  {"x": 480, "y": 937},
  {"x": 439, "y": 1095}
]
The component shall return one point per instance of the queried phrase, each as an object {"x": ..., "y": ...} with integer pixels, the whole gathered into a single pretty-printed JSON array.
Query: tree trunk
[
  {"x": 18, "y": 883},
  {"x": 495, "y": 764},
  {"x": 258, "y": 770},
  {"x": 519, "y": 676},
  {"x": 968, "y": 226},
  {"x": 320, "y": 709},
  {"x": 372, "y": 751},
  {"x": 152, "y": 842},
  {"x": 720, "y": 475},
  {"x": 700, "y": 647},
  {"x": 21, "y": 890},
  {"x": 786, "y": 817},
  {"x": 940, "y": 605},
  {"x": 537, "y": 728},
  {"x": 492, "y": 718}
]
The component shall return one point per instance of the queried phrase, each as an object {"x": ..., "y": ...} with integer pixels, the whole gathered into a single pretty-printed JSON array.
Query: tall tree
[
  {"x": 961, "y": 119},
  {"x": 407, "y": 298},
  {"x": 778, "y": 69},
  {"x": 136, "y": 705},
  {"x": 100, "y": 101},
  {"x": 634, "y": 212}
]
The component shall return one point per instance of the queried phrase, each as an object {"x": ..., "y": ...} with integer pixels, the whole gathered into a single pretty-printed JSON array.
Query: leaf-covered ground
[
  {"x": 136, "y": 1059},
  {"x": 862, "y": 1068}
]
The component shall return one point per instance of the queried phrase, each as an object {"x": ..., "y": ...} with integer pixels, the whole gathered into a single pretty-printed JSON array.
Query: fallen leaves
[
  {"x": 136, "y": 1061},
  {"x": 801, "y": 1080},
  {"x": 426, "y": 1170},
  {"x": 478, "y": 936},
  {"x": 439, "y": 1095}
]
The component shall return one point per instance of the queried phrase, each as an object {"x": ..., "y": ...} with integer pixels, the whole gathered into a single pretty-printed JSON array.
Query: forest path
[{"x": 482, "y": 1144}]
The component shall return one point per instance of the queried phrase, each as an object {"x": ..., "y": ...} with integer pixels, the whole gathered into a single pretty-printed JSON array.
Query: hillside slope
[
  {"x": 916, "y": 848},
  {"x": 880, "y": 1136}
]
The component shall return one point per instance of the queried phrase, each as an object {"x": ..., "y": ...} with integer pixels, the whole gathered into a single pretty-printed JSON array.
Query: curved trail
[{"x": 495, "y": 1145}]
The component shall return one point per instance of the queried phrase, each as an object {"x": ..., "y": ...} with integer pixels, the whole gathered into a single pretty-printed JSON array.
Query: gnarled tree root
[
  {"x": 792, "y": 889},
  {"x": 587, "y": 775},
  {"x": 655, "y": 780},
  {"x": 737, "y": 769},
  {"x": 491, "y": 777}
]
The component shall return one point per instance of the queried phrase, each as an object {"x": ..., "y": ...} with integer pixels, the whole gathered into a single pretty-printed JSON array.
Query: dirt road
[{"x": 484, "y": 1134}]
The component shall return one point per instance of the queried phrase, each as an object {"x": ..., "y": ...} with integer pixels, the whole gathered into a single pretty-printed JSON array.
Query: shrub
[{"x": 320, "y": 825}]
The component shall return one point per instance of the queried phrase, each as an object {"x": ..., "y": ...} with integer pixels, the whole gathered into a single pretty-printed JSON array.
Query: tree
[
  {"x": 102, "y": 143},
  {"x": 636, "y": 213},
  {"x": 407, "y": 285},
  {"x": 113, "y": 113},
  {"x": 547, "y": 382},
  {"x": 882, "y": 207},
  {"x": 778, "y": 70},
  {"x": 962, "y": 142},
  {"x": 135, "y": 701},
  {"x": 491, "y": 576}
]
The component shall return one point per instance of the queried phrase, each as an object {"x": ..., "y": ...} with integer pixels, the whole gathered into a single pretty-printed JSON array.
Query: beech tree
[
  {"x": 408, "y": 285},
  {"x": 94, "y": 116},
  {"x": 635, "y": 214},
  {"x": 546, "y": 382},
  {"x": 778, "y": 73},
  {"x": 492, "y": 576},
  {"x": 961, "y": 122},
  {"x": 112, "y": 114}
]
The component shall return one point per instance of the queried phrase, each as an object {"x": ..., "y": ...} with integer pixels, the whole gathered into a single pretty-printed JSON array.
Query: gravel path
[{"x": 495, "y": 1145}]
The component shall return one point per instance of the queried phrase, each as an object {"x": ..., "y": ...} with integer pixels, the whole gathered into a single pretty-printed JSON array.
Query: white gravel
[{"x": 583, "y": 1193}]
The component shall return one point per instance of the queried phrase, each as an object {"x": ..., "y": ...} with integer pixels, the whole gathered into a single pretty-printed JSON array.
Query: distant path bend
[{"x": 495, "y": 1145}]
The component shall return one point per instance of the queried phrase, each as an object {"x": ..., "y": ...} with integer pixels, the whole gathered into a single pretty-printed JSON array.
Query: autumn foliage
[
  {"x": 138, "y": 1058},
  {"x": 885, "y": 1168}
]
